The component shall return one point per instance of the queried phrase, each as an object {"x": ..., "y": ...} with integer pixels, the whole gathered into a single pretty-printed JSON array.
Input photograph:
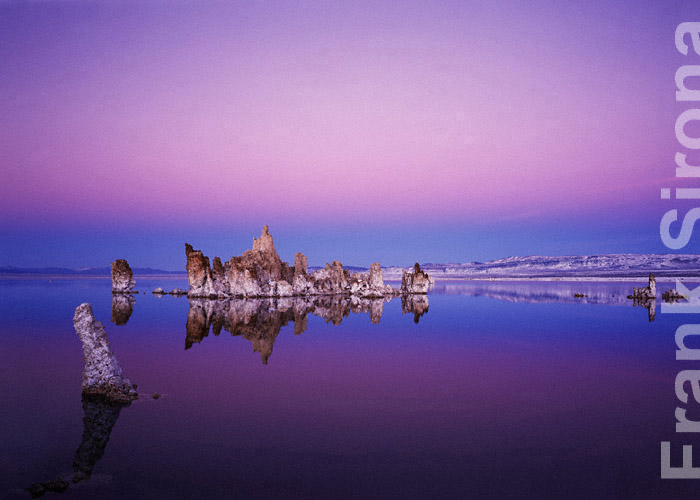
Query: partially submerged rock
[
  {"x": 102, "y": 376},
  {"x": 672, "y": 295},
  {"x": 58, "y": 485},
  {"x": 158, "y": 291},
  {"x": 177, "y": 292},
  {"x": 260, "y": 272},
  {"x": 122, "y": 277},
  {"x": 416, "y": 282},
  {"x": 645, "y": 293},
  {"x": 646, "y": 297},
  {"x": 198, "y": 273}
]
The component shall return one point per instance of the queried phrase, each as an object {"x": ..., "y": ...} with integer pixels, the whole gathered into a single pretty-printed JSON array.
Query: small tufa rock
[
  {"x": 416, "y": 282},
  {"x": 673, "y": 295},
  {"x": 102, "y": 376},
  {"x": 58, "y": 485},
  {"x": 122, "y": 277},
  {"x": 158, "y": 291},
  {"x": 177, "y": 292},
  {"x": 646, "y": 293}
]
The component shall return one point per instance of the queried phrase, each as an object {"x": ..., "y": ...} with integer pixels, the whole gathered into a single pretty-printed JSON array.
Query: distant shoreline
[{"x": 440, "y": 279}]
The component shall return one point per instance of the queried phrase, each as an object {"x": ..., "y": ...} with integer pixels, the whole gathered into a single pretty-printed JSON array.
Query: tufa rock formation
[
  {"x": 260, "y": 272},
  {"x": 415, "y": 282},
  {"x": 672, "y": 296},
  {"x": 102, "y": 376},
  {"x": 58, "y": 485},
  {"x": 646, "y": 297},
  {"x": 645, "y": 293},
  {"x": 122, "y": 277}
]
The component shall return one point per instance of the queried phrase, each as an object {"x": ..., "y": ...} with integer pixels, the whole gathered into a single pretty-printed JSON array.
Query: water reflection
[
  {"x": 260, "y": 320},
  {"x": 416, "y": 304},
  {"x": 122, "y": 307},
  {"x": 541, "y": 292},
  {"x": 599, "y": 293},
  {"x": 98, "y": 421},
  {"x": 648, "y": 304}
]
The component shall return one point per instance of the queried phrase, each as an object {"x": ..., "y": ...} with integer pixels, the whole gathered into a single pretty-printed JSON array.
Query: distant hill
[
  {"x": 88, "y": 271},
  {"x": 535, "y": 266},
  {"x": 572, "y": 266}
]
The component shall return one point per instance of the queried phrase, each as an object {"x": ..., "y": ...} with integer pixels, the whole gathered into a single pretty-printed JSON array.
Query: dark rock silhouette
[
  {"x": 122, "y": 307},
  {"x": 58, "y": 485},
  {"x": 122, "y": 277},
  {"x": 98, "y": 420},
  {"x": 102, "y": 376}
]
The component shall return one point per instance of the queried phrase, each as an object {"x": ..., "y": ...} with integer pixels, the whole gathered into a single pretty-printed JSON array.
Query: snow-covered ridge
[{"x": 569, "y": 266}]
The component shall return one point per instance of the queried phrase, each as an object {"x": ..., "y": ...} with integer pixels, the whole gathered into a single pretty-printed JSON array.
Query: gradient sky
[{"x": 359, "y": 131}]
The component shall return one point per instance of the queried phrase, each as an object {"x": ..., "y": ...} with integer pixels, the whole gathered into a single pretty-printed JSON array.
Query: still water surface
[{"x": 500, "y": 390}]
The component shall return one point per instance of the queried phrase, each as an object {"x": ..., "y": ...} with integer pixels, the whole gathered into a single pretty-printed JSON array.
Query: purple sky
[{"x": 358, "y": 131}]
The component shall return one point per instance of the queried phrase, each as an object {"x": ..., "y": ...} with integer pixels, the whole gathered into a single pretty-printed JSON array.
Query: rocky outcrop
[
  {"x": 122, "y": 308},
  {"x": 102, "y": 376},
  {"x": 122, "y": 277},
  {"x": 645, "y": 293},
  {"x": 199, "y": 273},
  {"x": 672, "y": 295},
  {"x": 646, "y": 297},
  {"x": 300, "y": 280},
  {"x": 260, "y": 272},
  {"x": 58, "y": 485},
  {"x": 371, "y": 285},
  {"x": 415, "y": 282}
]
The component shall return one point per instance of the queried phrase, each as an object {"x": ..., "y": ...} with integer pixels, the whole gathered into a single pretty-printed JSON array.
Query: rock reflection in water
[
  {"x": 416, "y": 304},
  {"x": 99, "y": 418},
  {"x": 122, "y": 307},
  {"x": 648, "y": 304},
  {"x": 260, "y": 320},
  {"x": 614, "y": 293}
]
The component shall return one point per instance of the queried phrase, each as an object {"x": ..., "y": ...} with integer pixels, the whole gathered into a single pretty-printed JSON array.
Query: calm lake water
[{"x": 500, "y": 390}]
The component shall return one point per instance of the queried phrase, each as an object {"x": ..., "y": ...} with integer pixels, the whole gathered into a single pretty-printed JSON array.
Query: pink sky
[{"x": 298, "y": 112}]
